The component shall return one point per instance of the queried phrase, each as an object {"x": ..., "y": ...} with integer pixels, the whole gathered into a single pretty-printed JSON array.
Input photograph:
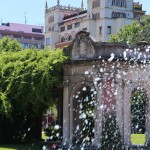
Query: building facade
[
  {"x": 102, "y": 18},
  {"x": 112, "y": 74},
  {"x": 27, "y": 35}
]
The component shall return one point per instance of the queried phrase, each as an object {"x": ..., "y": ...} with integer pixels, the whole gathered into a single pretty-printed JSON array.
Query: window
[
  {"x": 31, "y": 45},
  {"x": 69, "y": 27},
  {"x": 62, "y": 29},
  {"x": 62, "y": 39},
  {"x": 113, "y": 2},
  {"x": 109, "y": 29},
  {"x": 120, "y": 3},
  {"x": 123, "y": 3},
  {"x": 25, "y": 45},
  {"x": 17, "y": 37},
  {"x": 77, "y": 24},
  {"x": 100, "y": 30},
  {"x": 138, "y": 18},
  {"x": 124, "y": 15},
  {"x": 51, "y": 19},
  {"x": 113, "y": 14},
  {"x": 37, "y": 38},
  {"x": 36, "y": 30},
  {"x": 48, "y": 42},
  {"x": 6, "y": 24},
  {"x": 36, "y": 45},
  {"x": 96, "y": 16},
  {"x": 84, "y": 29},
  {"x": 118, "y": 15},
  {"x": 27, "y": 37},
  {"x": 96, "y": 4}
]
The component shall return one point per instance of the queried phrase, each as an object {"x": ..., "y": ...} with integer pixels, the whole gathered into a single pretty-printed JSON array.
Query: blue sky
[{"x": 15, "y": 10}]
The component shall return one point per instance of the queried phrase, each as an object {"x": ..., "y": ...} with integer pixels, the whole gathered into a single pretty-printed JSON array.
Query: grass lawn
[
  {"x": 20, "y": 147},
  {"x": 23, "y": 146},
  {"x": 138, "y": 139},
  {"x": 44, "y": 137}
]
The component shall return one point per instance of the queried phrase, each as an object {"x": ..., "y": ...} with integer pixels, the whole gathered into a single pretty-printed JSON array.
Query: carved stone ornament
[{"x": 82, "y": 47}]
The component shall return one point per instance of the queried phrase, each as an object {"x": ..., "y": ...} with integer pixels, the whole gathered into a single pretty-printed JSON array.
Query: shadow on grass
[{"x": 21, "y": 147}]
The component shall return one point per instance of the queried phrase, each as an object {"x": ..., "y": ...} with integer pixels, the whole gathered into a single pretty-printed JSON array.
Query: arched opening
[
  {"x": 118, "y": 15},
  {"x": 63, "y": 39},
  {"x": 69, "y": 37},
  {"x": 124, "y": 15},
  {"x": 139, "y": 104},
  {"x": 83, "y": 116},
  {"x": 113, "y": 15}
]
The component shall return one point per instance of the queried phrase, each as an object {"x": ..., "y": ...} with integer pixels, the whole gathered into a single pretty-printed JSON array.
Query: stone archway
[
  {"x": 127, "y": 110},
  {"x": 83, "y": 116},
  {"x": 139, "y": 111}
]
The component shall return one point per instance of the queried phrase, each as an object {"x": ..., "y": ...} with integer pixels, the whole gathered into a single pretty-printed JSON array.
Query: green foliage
[
  {"x": 53, "y": 133},
  {"x": 88, "y": 106},
  {"x": 30, "y": 76},
  {"x": 54, "y": 109},
  {"x": 28, "y": 86},
  {"x": 5, "y": 106},
  {"x": 130, "y": 33},
  {"x": 7, "y": 44},
  {"x": 84, "y": 107},
  {"x": 133, "y": 33},
  {"x": 111, "y": 136},
  {"x": 145, "y": 23}
]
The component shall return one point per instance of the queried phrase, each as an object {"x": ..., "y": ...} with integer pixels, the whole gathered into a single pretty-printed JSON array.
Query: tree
[
  {"x": 7, "y": 44},
  {"x": 130, "y": 33},
  {"x": 111, "y": 136},
  {"x": 28, "y": 86},
  {"x": 146, "y": 28},
  {"x": 133, "y": 33}
]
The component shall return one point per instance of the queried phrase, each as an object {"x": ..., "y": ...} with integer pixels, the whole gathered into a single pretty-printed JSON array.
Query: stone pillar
[
  {"x": 66, "y": 116},
  {"x": 119, "y": 106},
  {"x": 148, "y": 123},
  {"x": 147, "y": 87},
  {"x": 99, "y": 114},
  {"x": 126, "y": 115}
]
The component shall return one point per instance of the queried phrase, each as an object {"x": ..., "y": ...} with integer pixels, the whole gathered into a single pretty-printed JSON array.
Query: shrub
[
  {"x": 53, "y": 133},
  {"x": 111, "y": 136}
]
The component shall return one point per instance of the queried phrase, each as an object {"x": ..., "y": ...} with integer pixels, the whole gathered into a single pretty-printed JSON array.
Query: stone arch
[
  {"x": 127, "y": 120},
  {"x": 118, "y": 14},
  {"x": 139, "y": 110},
  {"x": 140, "y": 95},
  {"x": 69, "y": 37},
  {"x": 77, "y": 120},
  {"x": 113, "y": 15},
  {"x": 62, "y": 39}
]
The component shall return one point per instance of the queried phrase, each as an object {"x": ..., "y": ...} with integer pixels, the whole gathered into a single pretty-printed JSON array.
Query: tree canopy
[
  {"x": 28, "y": 86},
  {"x": 133, "y": 33},
  {"x": 7, "y": 44}
]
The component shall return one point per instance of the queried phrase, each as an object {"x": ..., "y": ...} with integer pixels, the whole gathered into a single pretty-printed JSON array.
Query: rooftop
[{"x": 16, "y": 27}]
